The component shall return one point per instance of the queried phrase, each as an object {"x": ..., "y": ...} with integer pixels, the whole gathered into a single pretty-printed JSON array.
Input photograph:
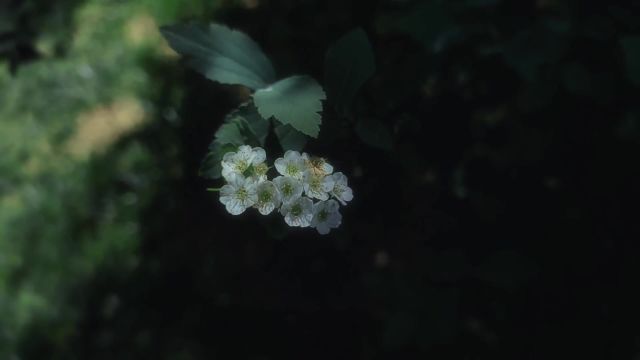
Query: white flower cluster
[{"x": 302, "y": 179}]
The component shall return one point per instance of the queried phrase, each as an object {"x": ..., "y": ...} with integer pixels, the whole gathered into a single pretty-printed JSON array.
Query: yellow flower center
[
  {"x": 264, "y": 196},
  {"x": 241, "y": 165},
  {"x": 292, "y": 170},
  {"x": 287, "y": 189},
  {"x": 316, "y": 183},
  {"x": 242, "y": 194},
  {"x": 296, "y": 210}
]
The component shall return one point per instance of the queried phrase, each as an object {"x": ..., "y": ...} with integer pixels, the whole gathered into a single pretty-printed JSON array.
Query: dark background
[{"x": 495, "y": 209}]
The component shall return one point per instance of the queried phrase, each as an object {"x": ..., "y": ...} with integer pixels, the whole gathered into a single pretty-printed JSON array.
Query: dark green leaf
[
  {"x": 540, "y": 92},
  {"x": 599, "y": 27},
  {"x": 629, "y": 128},
  {"x": 631, "y": 47},
  {"x": 221, "y": 54},
  {"x": 7, "y": 23},
  {"x": 373, "y": 132},
  {"x": 506, "y": 269},
  {"x": 251, "y": 127},
  {"x": 426, "y": 22},
  {"x": 290, "y": 138},
  {"x": 348, "y": 64},
  {"x": 230, "y": 133},
  {"x": 625, "y": 17},
  {"x": 528, "y": 51},
  {"x": 210, "y": 167},
  {"x": 480, "y": 3},
  {"x": 577, "y": 79},
  {"x": 296, "y": 100},
  {"x": 243, "y": 126}
]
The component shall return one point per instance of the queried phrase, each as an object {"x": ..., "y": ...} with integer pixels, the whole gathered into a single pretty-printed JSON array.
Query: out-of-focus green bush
[
  {"x": 492, "y": 156},
  {"x": 72, "y": 177}
]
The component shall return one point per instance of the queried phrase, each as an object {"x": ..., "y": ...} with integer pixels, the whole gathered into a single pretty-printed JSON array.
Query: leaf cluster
[{"x": 293, "y": 103}]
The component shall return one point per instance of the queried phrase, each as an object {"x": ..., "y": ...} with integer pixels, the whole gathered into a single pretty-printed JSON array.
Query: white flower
[
  {"x": 290, "y": 188},
  {"x": 326, "y": 216},
  {"x": 317, "y": 185},
  {"x": 260, "y": 172},
  {"x": 341, "y": 190},
  {"x": 268, "y": 197},
  {"x": 236, "y": 163},
  {"x": 291, "y": 165},
  {"x": 298, "y": 212},
  {"x": 238, "y": 194},
  {"x": 248, "y": 186},
  {"x": 317, "y": 165}
]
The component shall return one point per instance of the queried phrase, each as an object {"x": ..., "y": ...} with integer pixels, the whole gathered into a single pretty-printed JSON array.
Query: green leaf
[
  {"x": 507, "y": 269},
  {"x": 243, "y": 126},
  {"x": 221, "y": 54},
  {"x": 577, "y": 79},
  {"x": 211, "y": 167},
  {"x": 373, "y": 133},
  {"x": 631, "y": 47},
  {"x": 290, "y": 138},
  {"x": 480, "y": 3},
  {"x": 348, "y": 64},
  {"x": 426, "y": 21},
  {"x": 296, "y": 100},
  {"x": 543, "y": 43},
  {"x": 251, "y": 127},
  {"x": 230, "y": 133}
]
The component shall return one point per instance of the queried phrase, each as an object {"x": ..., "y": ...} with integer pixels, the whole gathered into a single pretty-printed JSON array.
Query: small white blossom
[
  {"x": 317, "y": 165},
  {"x": 341, "y": 190},
  {"x": 302, "y": 179},
  {"x": 260, "y": 172},
  {"x": 268, "y": 197},
  {"x": 317, "y": 185},
  {"x": 236, "y": 163},
  {"x": 326, "y": 216},
  {"x": 290, "y": 189},
  {"x": 238, "y": 194},
  {"x": 298, "y": 212},
  {"x": 291, "y": 165}
]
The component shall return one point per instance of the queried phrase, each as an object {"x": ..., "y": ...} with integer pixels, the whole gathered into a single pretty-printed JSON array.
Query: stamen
[
  {"x": 242, "y": 194},
  {"x": 265, "y": 196},
  {"x": 292, "y": 169}
]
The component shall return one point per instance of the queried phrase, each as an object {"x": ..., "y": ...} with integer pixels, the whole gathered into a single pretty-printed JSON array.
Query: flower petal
[
  {"x": 327, "y": 183},
  {"x": 281, "y": 166},
  {"x": 332, "y": 206},
  {"x": 292, "y": 155},
  {"x": 323, "y": 229},
  {"x": 347, "y": 194},
  {"x": 266, "y": 208},
  {"x": 259, "y": 155},
  {"x": 339, "y": 178},
  {"x": 235, "y": 207},
  {"x": 227, "y": 190}
]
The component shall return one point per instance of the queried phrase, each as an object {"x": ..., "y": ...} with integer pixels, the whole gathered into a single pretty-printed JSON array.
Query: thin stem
[{"x": 213, "y": 189}]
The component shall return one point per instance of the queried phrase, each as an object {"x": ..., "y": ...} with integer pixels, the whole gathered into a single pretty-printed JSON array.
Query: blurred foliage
[
  {"x": 349, "y": 63},
  {"x": 493, "y": 155},
  {"x": 22, "y": 28},
  {"x": 68, "y": 209}
]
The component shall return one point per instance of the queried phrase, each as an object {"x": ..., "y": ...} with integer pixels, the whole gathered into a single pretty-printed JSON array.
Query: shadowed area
[{"x": 493, "y": 158}]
